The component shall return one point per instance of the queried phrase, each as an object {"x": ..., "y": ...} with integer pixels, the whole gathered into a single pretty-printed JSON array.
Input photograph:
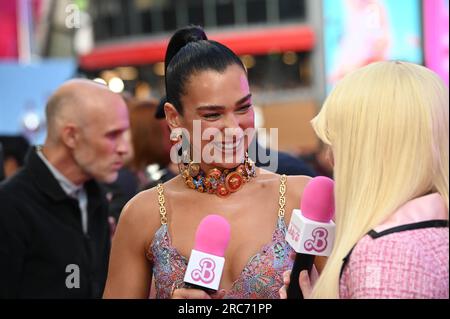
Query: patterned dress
[{"x": 261, "y": 277}]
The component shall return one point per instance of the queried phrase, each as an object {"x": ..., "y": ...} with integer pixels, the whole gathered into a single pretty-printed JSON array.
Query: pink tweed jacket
[{"x": 405, "y": 257}]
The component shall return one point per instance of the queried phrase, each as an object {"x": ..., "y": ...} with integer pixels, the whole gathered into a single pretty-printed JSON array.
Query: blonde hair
[{"x": 387, "y": 125}]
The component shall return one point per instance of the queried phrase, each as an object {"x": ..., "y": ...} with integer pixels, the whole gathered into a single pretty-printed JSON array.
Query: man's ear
[
  {"x": 173, "y": 117},
  {"x": 69, "y": 135}
]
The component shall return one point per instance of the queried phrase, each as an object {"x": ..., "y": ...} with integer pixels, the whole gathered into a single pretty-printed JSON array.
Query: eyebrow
[
  {"x": 245, "y": 98},
  {"x": 220, "y": 107},
  {"x": 117, "y": 130}
]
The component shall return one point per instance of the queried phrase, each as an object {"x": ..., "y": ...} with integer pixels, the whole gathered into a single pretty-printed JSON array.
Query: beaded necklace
[{"x": 221, "y": 182}]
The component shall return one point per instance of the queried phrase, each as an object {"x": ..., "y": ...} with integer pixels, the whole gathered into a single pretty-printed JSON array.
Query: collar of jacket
[{"x": 50, "y": 186}]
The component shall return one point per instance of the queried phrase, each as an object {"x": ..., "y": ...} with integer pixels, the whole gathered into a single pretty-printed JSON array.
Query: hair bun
[{"x": 182, "y": 37}]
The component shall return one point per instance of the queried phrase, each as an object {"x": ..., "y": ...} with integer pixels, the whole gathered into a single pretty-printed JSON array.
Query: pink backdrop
[{"x": 436, "y": 19}]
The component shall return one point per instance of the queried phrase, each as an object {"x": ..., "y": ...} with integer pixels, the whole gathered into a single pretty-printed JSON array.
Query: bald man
[{"x": 54, "y": 232}]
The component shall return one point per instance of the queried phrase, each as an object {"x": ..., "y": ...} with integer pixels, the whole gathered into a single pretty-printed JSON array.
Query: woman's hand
[
  {"x": 286, "y": 280},
  {"x": 190, "y": 293},
  {"x": 306, "y": 283}
]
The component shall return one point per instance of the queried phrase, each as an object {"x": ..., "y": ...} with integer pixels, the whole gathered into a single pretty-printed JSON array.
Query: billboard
[
  {"x": 436, "y": 36},
  {"x": 358, "y": 32}
]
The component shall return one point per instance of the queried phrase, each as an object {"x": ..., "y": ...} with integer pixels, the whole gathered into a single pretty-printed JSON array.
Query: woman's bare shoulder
[
  {"x": 296, "y": 181},
  {"x": 143, "y": 210},
  {"x": 295, "y": 185},
  {"x": 141, "y": 205},
  {"x": 140, "y": 217},
  {"x": 266, "y": 176}
]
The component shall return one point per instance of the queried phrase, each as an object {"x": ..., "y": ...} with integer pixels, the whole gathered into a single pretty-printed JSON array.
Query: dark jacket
[
  {"x": 287, "y": 164},
  {"x": 42, "y": 243}
]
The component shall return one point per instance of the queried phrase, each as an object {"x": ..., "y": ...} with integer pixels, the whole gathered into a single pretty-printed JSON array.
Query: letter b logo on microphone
[
  {"x": 310, "y": 237},
  {"x": 206, "y": 272},
  {"x": 319, "y": 241}
]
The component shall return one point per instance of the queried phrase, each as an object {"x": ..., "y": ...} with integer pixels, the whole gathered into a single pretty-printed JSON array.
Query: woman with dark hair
[{"x": 208, "y": 93}]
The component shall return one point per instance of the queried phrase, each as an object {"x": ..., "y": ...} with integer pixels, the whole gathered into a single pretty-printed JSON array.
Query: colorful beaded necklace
[{"x": 221, "y": 182}]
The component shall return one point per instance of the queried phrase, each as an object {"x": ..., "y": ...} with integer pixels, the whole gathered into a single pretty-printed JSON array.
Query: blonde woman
[{"x": 387, "y": 126}]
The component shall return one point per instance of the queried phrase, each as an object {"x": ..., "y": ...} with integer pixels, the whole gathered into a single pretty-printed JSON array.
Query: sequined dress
[{"x": 261, "y": 277}]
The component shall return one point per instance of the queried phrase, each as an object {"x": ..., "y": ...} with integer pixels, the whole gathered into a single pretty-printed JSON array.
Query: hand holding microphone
[
  {"x": 306, "y": 281},
  {"x": 311, "y": 230},
  {"x": 205, "y": 267}
]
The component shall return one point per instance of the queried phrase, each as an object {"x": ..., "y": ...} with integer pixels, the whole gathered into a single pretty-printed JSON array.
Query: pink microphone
[
  {"x": 206, "y": 262},
  {"x": 311, "y": 230},
  {"x": 318, "y": 199}
]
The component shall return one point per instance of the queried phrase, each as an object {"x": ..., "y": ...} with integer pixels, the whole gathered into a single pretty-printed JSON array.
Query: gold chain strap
[
  {"x": 162, "y": 201},
  {"x": 282, "y": 200}
]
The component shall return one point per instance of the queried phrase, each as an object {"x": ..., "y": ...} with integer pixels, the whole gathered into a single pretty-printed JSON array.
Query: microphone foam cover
[
  {"x": 317, "y": 201},
  {"x": 213, "y": 235}
]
